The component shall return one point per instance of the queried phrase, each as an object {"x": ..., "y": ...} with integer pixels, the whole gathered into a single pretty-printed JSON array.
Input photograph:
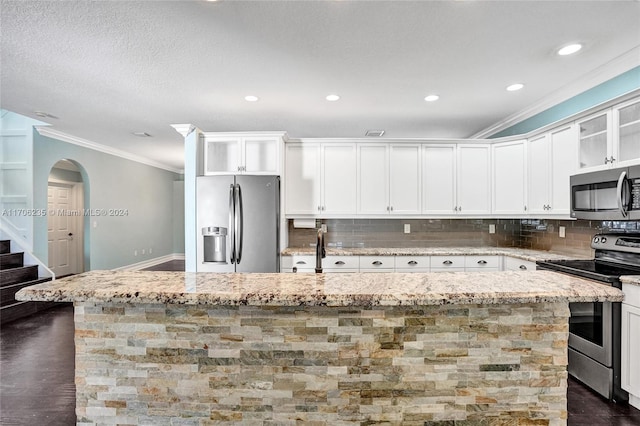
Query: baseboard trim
[{"x": 151, "y": 262}]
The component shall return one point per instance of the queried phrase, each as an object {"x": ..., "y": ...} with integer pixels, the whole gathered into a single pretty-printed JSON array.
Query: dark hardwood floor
[{"x": 37, "y": 375}]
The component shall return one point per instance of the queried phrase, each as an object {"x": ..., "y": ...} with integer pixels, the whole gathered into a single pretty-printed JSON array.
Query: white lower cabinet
[
  {"x": 631, "y": 343},
  {"x": 481, "y": 263},
  {"x": 302, "y": 263},
  {"x": 377, "y": 263},
  {"x": 341, "y": 264},
  {"x": 436, "y": 263},
  {"x": 412, "y": 264},
  {"x": 447, "y": 263},
  {"x": 514, "y": 264}
]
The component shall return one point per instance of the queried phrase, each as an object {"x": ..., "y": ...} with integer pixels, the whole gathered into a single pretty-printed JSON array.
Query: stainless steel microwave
[{"x": 612, "y": 194}]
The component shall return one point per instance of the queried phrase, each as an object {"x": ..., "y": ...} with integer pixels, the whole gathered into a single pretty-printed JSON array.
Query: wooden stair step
[
  {"x": 11, "y": 260},
  {"x": 8, "y": 293},
  {"x": 18, "y": 275},
  {"x": 19, "y": 310}
]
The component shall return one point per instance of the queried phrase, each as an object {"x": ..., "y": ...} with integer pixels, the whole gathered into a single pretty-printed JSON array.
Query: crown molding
[
  {"x": 56, "y": 134},
  {"x": 184, "y": 129},
  {"x": 615, "y": 67}
]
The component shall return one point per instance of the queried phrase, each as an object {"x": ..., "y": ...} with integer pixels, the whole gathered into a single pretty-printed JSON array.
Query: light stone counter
[
  {"x": 354, "y": 289},
  {"x": 171, "y": 348},
  {"x": 523, "y": 254},
  {"x": 630, "y": 279}
]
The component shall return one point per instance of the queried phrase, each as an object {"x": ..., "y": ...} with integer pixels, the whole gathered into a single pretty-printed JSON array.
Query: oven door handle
[{"x": 621, "y": 189}]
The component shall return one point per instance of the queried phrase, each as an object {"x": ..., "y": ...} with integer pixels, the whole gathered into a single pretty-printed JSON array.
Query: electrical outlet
[
  {"x": 492, "y": 228},
  {"x": 150, "y": 251},
  {"x": 407, "y": 228},
  {"x": 561, "y": 232},
  {"x": 143, "y": 251},
  {"x": 324, "y": 228},
  {"x": 135, "y": 252}
]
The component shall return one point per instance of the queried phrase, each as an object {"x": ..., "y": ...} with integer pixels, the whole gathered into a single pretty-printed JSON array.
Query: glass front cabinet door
[
  {"x": 594, "y": 143},
  {"x": 242, "y": 155},
  {"x": 627, "y": 119}
]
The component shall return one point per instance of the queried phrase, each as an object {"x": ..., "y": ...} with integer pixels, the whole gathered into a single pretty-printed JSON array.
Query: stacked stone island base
[
  {"x": 394, "y": 351},
  {"x": 200, "y": 365}
]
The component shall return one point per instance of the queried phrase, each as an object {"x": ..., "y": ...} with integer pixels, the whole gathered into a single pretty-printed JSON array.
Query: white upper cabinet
[
  {"x": 320, "y": 179},
  {"x": 509, "y": 177},
  {"x": 242, "y": 155},
  {"x": 551, "y": 161},
  {"x": 627, "y": 132},
  {"x": 474, "y": 179},
  {"x": 610, "y": 138},
  {"x": 539, "y": 174},
  {"x": 388, "y": 179},
  {"x": 373, "y": 179},
  {"x": 338, "y": 179},
  {"x": 302, "y": 179},
  {"x": 438, "y": 179},
  {"x": 404, "y": 179},
  {"x": 456, "y": 179}
]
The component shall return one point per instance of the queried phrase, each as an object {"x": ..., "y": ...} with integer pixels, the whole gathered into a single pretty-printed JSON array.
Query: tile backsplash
[{"x": 539, "y": 234}]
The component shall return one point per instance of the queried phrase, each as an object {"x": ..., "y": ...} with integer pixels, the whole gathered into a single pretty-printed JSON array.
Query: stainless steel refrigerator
[{"x": 238, "y": 223}]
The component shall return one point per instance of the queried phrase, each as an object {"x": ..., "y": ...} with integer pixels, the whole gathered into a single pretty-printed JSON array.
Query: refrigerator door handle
[
  {"x": 232, "y": 233},
  {"x": 240, "y": 222}
]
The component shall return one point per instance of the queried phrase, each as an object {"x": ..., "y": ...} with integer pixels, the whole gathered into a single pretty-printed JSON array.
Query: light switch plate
[
  {"x": 561, "y": 232},
  {"x": 492, "y": 228},
  {"x": 407, "y": 228}
]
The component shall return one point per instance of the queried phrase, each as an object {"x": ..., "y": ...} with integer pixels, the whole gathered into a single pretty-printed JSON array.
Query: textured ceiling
[{"x": 107, "y": 69}]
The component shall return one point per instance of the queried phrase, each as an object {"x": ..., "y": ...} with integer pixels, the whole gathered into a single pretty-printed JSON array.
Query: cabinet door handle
[
  {"x": 339, "y": 262},
  {"x": 612, "y": 159},
  {"x": 459, "y": 208},
  {"x": 606, "y": 160},
  {"x": 377, "y": 263},
  {"x": 455, "y": 209},
  {"x": 412, "y": 262},
  {"x": 482, "y": 262},
  {"x": 323, "y": 207},
  {"x": 525, "y": 208},
  {"x": 301, "y": 262},
  {"x": 447, "y": 262},
  {"x": 387, "y": 208},
  {"x": 318, "y": 208},
  {"x": 391, "y": 208},
  {"x": 522, "y": 267}
]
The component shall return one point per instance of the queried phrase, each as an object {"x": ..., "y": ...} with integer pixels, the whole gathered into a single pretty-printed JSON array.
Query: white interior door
[{"x": 62, "y": 224}]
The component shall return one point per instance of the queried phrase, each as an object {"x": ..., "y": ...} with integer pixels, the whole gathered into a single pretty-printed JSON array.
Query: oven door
[
  {"x": 603, "y": 195},
  {"x": 590, "y": 330}
]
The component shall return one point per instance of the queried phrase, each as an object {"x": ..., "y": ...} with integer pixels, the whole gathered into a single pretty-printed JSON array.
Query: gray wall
[{"x": 111, "y": 182}]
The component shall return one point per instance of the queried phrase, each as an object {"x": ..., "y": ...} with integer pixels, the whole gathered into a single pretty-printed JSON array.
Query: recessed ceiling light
[
  {"x": 141, "y": 134},
  {"x": 332, "y": 98},
  {"x": 569, "y": 49},
  {"x": 251, "y": 98},
  {"x": 515, "y": 87},
  {"x": 431, "y": 98}
]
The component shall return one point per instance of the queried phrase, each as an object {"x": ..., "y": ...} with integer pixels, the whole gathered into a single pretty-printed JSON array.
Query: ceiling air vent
[
  {"x": 376, "y": 133},
  {"x": 141, "y": 134}
]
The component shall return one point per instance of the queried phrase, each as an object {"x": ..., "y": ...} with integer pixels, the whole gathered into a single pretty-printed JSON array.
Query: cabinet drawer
[
  {"x": 482, "y": 262},
  {"x": 412, "y": 263},
  {"x": 341, "y": 263},
  {"x": 447, "y": 263},
  {"x": 514, "y": 264},
  {"x": 376, "y": 262},
  {"x": 299, "y": 261}
]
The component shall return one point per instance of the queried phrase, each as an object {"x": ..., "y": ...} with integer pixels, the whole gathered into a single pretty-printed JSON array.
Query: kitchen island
[{"x": 174, "y": 348}]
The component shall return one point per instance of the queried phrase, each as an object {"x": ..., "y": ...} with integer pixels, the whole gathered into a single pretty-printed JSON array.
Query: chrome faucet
[{"x": 320, "y": 251}]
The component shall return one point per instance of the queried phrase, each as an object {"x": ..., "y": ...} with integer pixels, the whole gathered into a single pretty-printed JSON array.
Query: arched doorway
[{"x": 65, "y": 219}]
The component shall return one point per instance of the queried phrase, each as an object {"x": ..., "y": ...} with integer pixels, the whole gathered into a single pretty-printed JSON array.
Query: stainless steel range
[{"x": 594, "y": 328}]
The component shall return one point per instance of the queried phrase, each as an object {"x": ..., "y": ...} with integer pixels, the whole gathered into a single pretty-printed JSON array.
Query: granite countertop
[
  {"x": 630, "y": 279},
  {"x": 348, "y": 289},
  {"x": 524, "y": 254}
]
